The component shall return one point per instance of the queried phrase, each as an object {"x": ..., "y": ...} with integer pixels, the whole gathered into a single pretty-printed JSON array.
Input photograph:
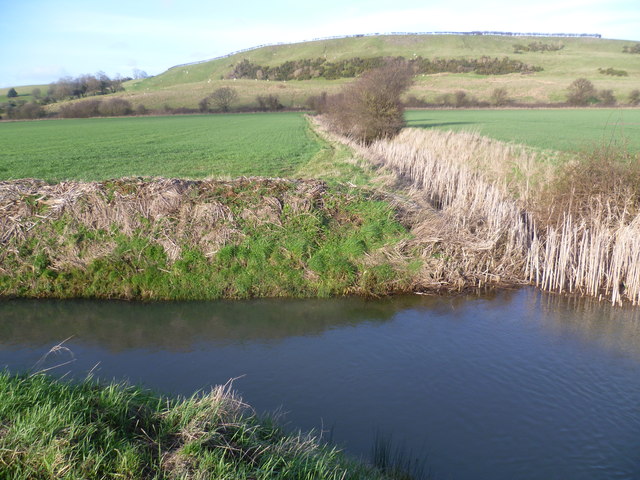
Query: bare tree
[
  {"x": 370, "y": 108},
  {"x": 139, "y": 74},
  {"x": 581, "y": 92},
  {"x": 223, "y": 97}
]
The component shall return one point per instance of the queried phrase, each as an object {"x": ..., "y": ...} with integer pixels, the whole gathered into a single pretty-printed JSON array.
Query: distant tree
[
  {"x": 36, "y": 93},
  {"x": 581, "y": 92},
  {"x": 12, "y": 93},
  {"x": 139, "y": 74},
  {"x": 223, "y": 97},
  {"x": 634, "y": 97}
]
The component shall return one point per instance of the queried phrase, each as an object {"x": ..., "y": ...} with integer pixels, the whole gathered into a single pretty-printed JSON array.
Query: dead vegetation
[
  {"x": 177, "y": 212},
  {"x": 487, "y": 213}
]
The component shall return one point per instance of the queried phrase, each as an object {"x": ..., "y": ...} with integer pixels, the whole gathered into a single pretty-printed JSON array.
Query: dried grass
[
  {"x": 467, "y": 229},
  {"x": 484, "y": 212},
  {"x": 174, "y": 213}
]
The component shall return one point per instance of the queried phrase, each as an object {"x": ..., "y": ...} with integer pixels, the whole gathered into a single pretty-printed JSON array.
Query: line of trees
[
  {"x": 537, "y": 47},
  {"x": 306, "y": 69},
  {"x": 84, "y": 86},
  {"x": 613, "y": 72}
]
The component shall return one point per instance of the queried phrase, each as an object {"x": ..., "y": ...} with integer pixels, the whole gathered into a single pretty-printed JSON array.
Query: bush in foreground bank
[{"x": 54, "y": 429}]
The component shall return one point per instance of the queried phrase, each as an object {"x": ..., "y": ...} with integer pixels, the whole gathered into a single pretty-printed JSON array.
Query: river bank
[
  {"x": 428, "y": 211},
  {"x": 176, "y": 239},
  {"x": 57, "y": 429}
]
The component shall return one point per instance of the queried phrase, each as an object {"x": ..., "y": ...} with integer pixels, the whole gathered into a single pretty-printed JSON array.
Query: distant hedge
[{"x": 307, "y": 68}]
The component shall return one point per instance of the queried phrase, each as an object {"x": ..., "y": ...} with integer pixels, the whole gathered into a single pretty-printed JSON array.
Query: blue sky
[{"x": 43, "y": 40}]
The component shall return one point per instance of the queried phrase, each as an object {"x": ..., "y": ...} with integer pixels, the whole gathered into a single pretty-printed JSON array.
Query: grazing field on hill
[
  {"x": 194, "y": 146},
  {"x": 184, "y": 86},
  {"x": 562, "y": 129}
]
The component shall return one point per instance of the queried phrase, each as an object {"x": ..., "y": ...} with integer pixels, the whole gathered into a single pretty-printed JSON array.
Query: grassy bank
[
  {"x": 179, "y": 239},
  {"x": 53, "y": 429}
]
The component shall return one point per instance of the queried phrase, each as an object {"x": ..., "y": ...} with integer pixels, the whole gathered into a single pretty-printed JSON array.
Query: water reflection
[
  {"x": 515, "y": 384},
  {"x": 119, "y": 325}
]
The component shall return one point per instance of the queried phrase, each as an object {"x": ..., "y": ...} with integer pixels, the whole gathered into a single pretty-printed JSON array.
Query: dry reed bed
[{"x": 483, "y": 214}]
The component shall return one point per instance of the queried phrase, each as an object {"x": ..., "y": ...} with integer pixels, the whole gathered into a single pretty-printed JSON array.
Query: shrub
[
  {"x": 141, "y": 110},
  {"x": 82, "y": 109},
  {"x": 581, "y": 92},
  {"x": 29, "y": 110},
  {"x": 115, "y": 107},
  {"x": 370, "y": 108},
  {"x": 634, "y": 97},
  {"x": 606, "y": 97},
  {"x": 203, "y": 105},
  {"x": 631, "y": 49},
  {"x": 317, "y": 103},
  {"x": 613, "y": 72},
  {"x": 414, "y": 102},
  {"x": 599, "y": 176},
  {"x": 269, "y": 103},
  {"x": 499, "y": 97}
]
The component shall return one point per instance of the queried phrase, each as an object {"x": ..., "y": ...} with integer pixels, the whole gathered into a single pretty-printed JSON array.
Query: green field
[
  {"x": 565, "y": 130},
  {"x": 275, "y": 144},
  {"x": 196, "y": 146}
]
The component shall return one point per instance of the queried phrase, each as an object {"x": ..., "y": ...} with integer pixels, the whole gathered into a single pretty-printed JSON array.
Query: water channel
[{"x": 516, "y": 385}]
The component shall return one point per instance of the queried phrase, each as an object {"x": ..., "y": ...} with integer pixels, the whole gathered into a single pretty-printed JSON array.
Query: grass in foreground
[
  {"x": 567, "y": 130},
  {"x": 194, "y": 146},
  {"x": 53, "y": 429}
]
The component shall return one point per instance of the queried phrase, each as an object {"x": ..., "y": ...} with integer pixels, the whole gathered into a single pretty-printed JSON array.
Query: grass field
[
  {"x": 562, "y": 129},
  {"x": 194, "y": 146}
]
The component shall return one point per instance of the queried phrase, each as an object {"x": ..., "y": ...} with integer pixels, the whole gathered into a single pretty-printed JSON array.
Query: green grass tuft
[{"x": 55, "y": 429}]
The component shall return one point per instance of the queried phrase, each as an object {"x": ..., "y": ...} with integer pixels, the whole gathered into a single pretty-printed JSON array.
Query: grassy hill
[
  {"x": 184, "y": 86},
  {"x": 579, "y": 57}
]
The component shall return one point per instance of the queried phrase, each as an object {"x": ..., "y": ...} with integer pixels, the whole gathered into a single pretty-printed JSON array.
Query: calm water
[{"x": 514, "y": 386}]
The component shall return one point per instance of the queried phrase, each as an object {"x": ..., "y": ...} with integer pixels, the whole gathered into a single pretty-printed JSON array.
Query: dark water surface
[{"x": 519, "y": 385}]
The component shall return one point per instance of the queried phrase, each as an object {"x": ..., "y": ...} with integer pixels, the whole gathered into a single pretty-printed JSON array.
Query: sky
[{"x": 44, "y": 40}]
